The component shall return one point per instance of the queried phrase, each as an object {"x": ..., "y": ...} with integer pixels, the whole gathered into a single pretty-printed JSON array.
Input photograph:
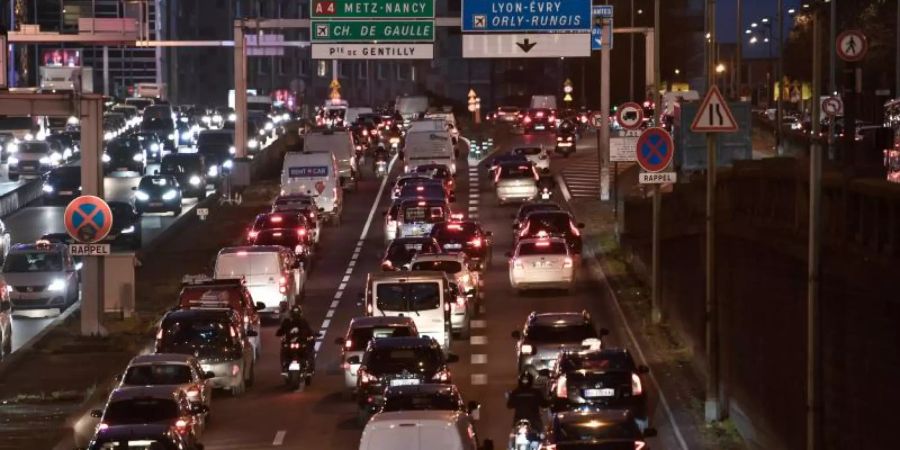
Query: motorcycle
[
  {"x": 545, "y": 193},
  {"x": 524, "y": 437},
  {"x": 297, "y": 369}
]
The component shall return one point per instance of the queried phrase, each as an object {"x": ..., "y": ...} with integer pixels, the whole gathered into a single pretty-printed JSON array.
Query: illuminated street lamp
[
  {"x": 567, "y": 89},
  {"x": 720, "y": 68},
  {"x": 475, "y": 106}
]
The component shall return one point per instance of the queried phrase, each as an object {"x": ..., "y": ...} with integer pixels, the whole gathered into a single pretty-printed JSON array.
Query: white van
[
  {"x": 421, "y": 430},
  {"x": 340, "y": 144},
  {"x": 412, "y": 106},
  {"x": 543, "y": 101},
  {"x": 423, "y": 295},
  {"x": 354, "y": 113},
  {"x": 428, "y": 147},
  {"x": 272, "y": 273},
  {"x": 316, "y": 175}
]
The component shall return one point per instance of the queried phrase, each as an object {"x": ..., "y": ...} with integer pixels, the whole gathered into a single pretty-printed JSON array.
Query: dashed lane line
[
  {"x": 279, "y": 438},
  {"x": 479, "y": 379},
  {"x": 478, "y": 340},
  {"x": 479, "y": 358}
]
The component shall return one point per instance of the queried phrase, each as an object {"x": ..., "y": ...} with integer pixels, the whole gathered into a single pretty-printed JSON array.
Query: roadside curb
[{"x": 23, "y": 351}]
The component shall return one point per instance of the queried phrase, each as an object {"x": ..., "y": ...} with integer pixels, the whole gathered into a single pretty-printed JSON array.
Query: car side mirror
[
  {"x": 643, "y": 369},
  {"x": 604, "y": 332},
  {"x": 252, "y": 333},
  {"x": 516, "y": 334},
  {"x": 353, "y": 360},
  {"x": 97, "y": 413},
  {"x": 650, "y": 432},
  {"x": 208, "y": 375},
  {"x": 339, "y": 341},
  {"x": 580, "y": 225},
  {"x": 544, "y": 373},
  {"x": 259, "y": 306},
  {"x": 452, "y": 358}
]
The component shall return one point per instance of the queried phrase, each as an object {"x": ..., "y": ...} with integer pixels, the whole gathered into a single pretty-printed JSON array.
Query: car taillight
[
  {"x": 181, "y": 425},
  {"x": 477, "y": 242},
  {"x": 301, "y": 232},
  {"x": 636, "y": 387},
  {"x": 548, "y": 447},
  {"x": 365, "y": 377},
  {"x": 159, "y": 334},
  {"x": 553, "y": 118},
  {"x": 235, "y": 370},
  {"x": 252, "y": 234},
  {"x": 526, "y": 349},
  {"x": 460, "y": 300},
  {"x": 639, "y": 445},
  {"x": 527, "y": 119},
  {"x": 295, "y": 345},
  {"x": 282, "y": 284},
  {"x": 447, "y": 306},
  {"x": 567, "y": 262},
  {"x": 443, "y": 376},
  {"x": 562, "y": 390}
]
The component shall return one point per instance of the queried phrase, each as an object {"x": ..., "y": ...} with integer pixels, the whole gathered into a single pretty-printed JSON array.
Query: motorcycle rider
[
  {"x": 527, "y": 402},
  {"x": 296, "y": 327}
]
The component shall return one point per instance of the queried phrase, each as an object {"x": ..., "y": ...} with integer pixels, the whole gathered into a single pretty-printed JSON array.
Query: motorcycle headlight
[
  {"x": 138, "y": 157},
  {"x": 186, "y": 136},
  {"x": 232, "y": 150},
  {"x": 12, "y": 147},
  {"x": 213, "y": 171},
  {"x": 171, "y": 136},
  {"x": 128, "y": 230},
  {"x": 231, "y": 117},
  {"x": 154, "y": 147},
  {"x": 105, "y": 158},
  {"x": 48, "y": 189},
  {"x": 194, "y": 180},
  {"x": 228, "y": 164},
  {"x": 58, "y": 285},
  {"x": 252, "y": 143},
  {"x": 141, "y": 196},
  {"x": 13, "y": 161},
  {"x": 170, "y": 195}
]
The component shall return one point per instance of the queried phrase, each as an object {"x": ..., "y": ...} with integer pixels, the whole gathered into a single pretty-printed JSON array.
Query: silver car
[
  {"x": 547, "y": 334},
  {"x": 170, "y": 369},
  {"x": 32, "y": 159},
  {"x": 538, "y": 156},
  {"x": 41, "y": 276},
  {"x": 361, "y": 331},
  {"x": 516, "y": 182}
]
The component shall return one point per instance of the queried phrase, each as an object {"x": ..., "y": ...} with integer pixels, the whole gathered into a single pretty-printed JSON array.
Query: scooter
[
  {"x": 524, "y": 437},
  {"x": 297, "y": 369},
  {"x": 545, "y": 193}
]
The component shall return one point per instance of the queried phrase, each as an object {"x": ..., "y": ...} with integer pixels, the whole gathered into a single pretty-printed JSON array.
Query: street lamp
[
  {"x": 567, "y": 89},
  {"x": 720, "y": 68},
  {"x": 475, "y": 106}
]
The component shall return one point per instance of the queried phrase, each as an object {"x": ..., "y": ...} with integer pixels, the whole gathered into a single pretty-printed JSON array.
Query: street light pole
[
  {"x": 779, "y": 78},
  {"x": 656, "y": 271},
  {"x": 813, "y": 402},
  {"x": 738, "y": 51}
]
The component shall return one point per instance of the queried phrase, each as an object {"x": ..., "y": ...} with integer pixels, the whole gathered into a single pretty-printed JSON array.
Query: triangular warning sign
[{"x": 714, "y": 115}]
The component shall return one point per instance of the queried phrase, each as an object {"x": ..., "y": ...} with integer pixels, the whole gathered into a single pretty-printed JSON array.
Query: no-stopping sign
[{"x": 630, "y": 116}]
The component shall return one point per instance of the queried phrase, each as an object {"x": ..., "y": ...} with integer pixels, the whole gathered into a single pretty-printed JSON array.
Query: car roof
[
  {"x": 402, "y": 342},
  {"x": 606, "y": 415},
  {"x": 457, "y": 257},
  {"x": 252, "y": 249},
  {"x": 170, "y": 358},
  {"x": 133, "y": 392},
  {"x": 557, "y": 318},
  {"x": 218, "y": 314},
  {"x": 116, "y": 432},
  {"x": 407, "y": 275},
  {"x": 388, "y": 420},
  {"x": 428, "y": 388},
  {"x": 380, "y": 321}
]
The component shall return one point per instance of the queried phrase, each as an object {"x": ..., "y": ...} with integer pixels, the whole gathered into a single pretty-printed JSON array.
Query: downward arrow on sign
[{"x": 526, "y": 45}]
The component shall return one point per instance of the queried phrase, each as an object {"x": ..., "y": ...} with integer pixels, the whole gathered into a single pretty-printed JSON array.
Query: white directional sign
[
  {"x": 265, "y": 45},
  {"x": 714, "y": 115},
  {"x": 657, "y": 177},
  {"x": 530, "y": 45},
  {"x": 373, "y": 51}
]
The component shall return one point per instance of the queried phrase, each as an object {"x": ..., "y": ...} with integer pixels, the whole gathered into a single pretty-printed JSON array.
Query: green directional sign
[
  {"x": 371, "y": 9},
  {"x": 380, "y": 31}
]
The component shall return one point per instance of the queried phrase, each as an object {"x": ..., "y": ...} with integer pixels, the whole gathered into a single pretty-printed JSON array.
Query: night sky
[{"x": 753, "y": 11}]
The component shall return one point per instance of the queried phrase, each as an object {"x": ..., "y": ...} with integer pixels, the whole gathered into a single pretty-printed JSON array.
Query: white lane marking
[
  {"x": 338, "y": 295},
  {"x": 326, "y": 323},
  {"x": 317, "y": 346},
  {"x": 478, "y": 340},
  {"x": 473, "y": 208},
  {"x": 643, "y": 359},
  {"x": 562, "y": 187},
  {"x": 279, "y": 438},
  {"x": 335, "y": 304},
  {"x": 349, "y": 270},
  {"x": 479, "y": 358},
  {"x": 329, "y": 314},
  {"x": 345, "y": 279},
  {"x": 342, "y": 286},
  {"x": 478, "y": 324},
  {"x": 479, "y": 379}
]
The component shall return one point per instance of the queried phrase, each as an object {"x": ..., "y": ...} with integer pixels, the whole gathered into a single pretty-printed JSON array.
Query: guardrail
[{"x": 20, "y": 196}]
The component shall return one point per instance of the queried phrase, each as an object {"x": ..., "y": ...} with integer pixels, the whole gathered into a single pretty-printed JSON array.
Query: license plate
[
  {"x": 453, "y": 246},
  {"x": 606, "y": 392},
  {"x": 156, "y": 204},
  {"x": 541, "y": 265},
  {"x": 405, "y": 382},
  {"x": 206, "y": 368},
  {"x": 294, "y": 365},
  {"x": 539, "y": 127},
  {"x": 65, "y": 192},
  {"x": 122, "y": 169}
]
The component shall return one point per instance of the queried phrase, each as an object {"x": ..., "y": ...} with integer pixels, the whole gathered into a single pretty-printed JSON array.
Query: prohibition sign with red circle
[
  {"x": 655, "y": 149},
  {"x": 630, "y": 116},
  {"x": 852, "y": 45},
  {"x": 88, "y": 219}
]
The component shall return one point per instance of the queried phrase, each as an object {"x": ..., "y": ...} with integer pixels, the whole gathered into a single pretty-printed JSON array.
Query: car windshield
[
  {"x": 551, "y": 223},
  {"x": 34, "y": 147},
  {"x": 123, "y": 146},
  {"x": 360, "y": 337},
  {"x": 154, "y": 123},
  {"x": 436, "y": 171},
  {"x": 204, "y": 332},
  {"x": 542, "y": 248},
  {"x": 427, "y": 214},
  {"x": 215, "y": 139},
  {"x": 33, "y": 262},
  {"x": 449, "y": 267},
  {"x": 141, "y": 410},
  {"x": 600, "y": 362},
  {"x": 527, "y": 151},
  {"x": 239, "y": 264},
  {"x": 405, "y": 250},
  {"x": 560, "y": 334},
  {"x": 155, "y": 183},
  {"x": 66, "y": 173},
  {"x": 422, "y": 190},
  {"x": 528, "y": 209},
  {"x": 415, "y": 296},
  {"x": 434, "y": 401},
  {"x": 595, "y": 430},
  {"x": 398, "y": 359},
  {"x": 453, "y": 231},
  {"x": 516, "y": 171},
  {"x": 283, "y": 237},
  {"x": 179, "y": 165},
  {"x": 138, "y": 103},
  {"x": 155, "y": 374}
]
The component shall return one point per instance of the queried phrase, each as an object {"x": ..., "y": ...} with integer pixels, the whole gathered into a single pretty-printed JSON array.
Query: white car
[
  {"x": 170, "y": 369},
  {"x": 538, "y": 155},
  {"x": 456, "y": 267},
  {"x": 361, "y": 331},
  {"x": 542, "y": 263},
  {"x": 516, "y": 182},
  {"x": 421, "y": 430}
]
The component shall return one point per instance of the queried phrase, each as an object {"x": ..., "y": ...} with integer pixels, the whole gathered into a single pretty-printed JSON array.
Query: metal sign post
[{"x": 603, "y": 132}]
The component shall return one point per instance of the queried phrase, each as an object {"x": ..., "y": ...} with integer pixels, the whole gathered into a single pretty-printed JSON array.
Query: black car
[
  {"x": 142, "y": 436},
  {"x": 189, "y": 170},
  {"x": 465, "y": 236},
  {"x": 217, "y": 149},
  {"x": 552, "y": 223},
  {"x": 538, "y": 119},
  {"x": 399, "y": 361},
  {"x": 530, "y": 207},
  {"x": 598, "y": 380},
  {"x": 126, "y": 226},
  {"x": 163, "y": 405},
  {"x": 157, "y": 193},
  {"x": 124, "y": 154},
  {"x": 62, "y": 185},
  {"x": 599, "y": 430},
  {"x": 506, "y": 158},
  {"x": 152, "y": 145},
  {"x": 427, "y": 397},
  {"x": 400, "y": 253},
  {"x": 64, "y": 144},
  {"x": 162, "y": 126},
  {"x": 546, "y": 335}
]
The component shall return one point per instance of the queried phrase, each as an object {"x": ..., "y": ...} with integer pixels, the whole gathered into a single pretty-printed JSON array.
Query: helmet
[
  {"x": 296, "y": 312},
  {"x": 526, "y": 380}
]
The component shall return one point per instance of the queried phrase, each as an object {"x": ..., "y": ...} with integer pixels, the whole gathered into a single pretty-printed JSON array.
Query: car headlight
[
  {"x": 252, "y": 143},
  {"x": 48, "y": 189},
  {"x": 12, "y": 147},
  {"x": 228, "y": 164},
  {"x": 170, "y": 195},
  {"x": 205, "y": 119},
  {"x": 29, "y": 137},
  {"x": 13, "y": 161},
  {"x": 141, "y": 196},
  {"x": 154, "y": 147},
  {"x": 213, "y": 171},
  {"x": 194, "y": 180},
  {"x": 186, "y": 136},
  {"x": 231, "y": 117},
  {"x": 44, "y": 160},
  {"x": 138, "y": 157},
  {"x": 262, "y": 132},
  {"x": 57, "y": 285},
  {"x": 128, "y": 230},
  {"x": 108, "y": 135},
  {"x": 105, "y": 158},
  {"x": 72, "y": 121},
  {"x": 171, "y": 136},
  {"x": 269, "y": 126},
  {"x": 232, "y": 150},
  {"x": 68, "y": 153}
]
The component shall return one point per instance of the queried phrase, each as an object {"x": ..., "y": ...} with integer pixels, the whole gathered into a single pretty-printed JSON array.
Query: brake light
[
  {"x": 443, "y": 376},
  {"x": 636, "y": 387},
  {"x": 639, "y": 445},
  {"x": 295, "y": 345},
  {"x": 454, "y": 226},
  {"x": 567, "y": 262},
  {"x": 542, "y": 244},
  {"x": 540, "y": 114},
  {"x": 348, "y": 344},
  {"x": 282, "y": 284},
  {"x": 527, "y": 119},
  {"x": 252, "y": 234},
  {"x": 553, "y": 118},
  {"x": 365, "y": 132},
  {"x": 542, "y": 234},
  {"x": 526, "y": 349},
  {"x": 301, "y": 232},
  {"x": 562, "y": 390},
  {"x": 276, "y": 219},
  {"x": 477, "y": 242},
  {"x": 421, "y": 203},
  {"x": 181, "y": 425},
  {"x": 235, "y": 370},
  {"x": 460, "y": 300},
  {"x": 193, "y": 393},
  {"x": 420, "y": 188},
  {"x": 548, "y": 447},
  {"x": 365, "y": 377}
]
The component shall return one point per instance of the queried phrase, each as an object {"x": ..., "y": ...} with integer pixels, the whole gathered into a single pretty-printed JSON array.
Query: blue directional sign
[
  {"x": 601, "y": 13},
  {"x": 548, "y": 16}
]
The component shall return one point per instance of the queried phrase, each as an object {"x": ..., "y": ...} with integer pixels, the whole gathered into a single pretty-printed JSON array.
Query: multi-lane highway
[{"x": 321, "y": 416}]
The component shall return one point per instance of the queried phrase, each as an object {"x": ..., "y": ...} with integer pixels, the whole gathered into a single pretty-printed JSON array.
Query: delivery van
[
  {"x": 316, "y": 175},
  {"x": 338, "y": 143},
  {"x": 428, "y": 147},
  {"x": 272, "y": 274}
]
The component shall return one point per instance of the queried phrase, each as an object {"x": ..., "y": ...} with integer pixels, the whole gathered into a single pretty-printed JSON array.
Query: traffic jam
[{"x": 452, "y": 241}]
